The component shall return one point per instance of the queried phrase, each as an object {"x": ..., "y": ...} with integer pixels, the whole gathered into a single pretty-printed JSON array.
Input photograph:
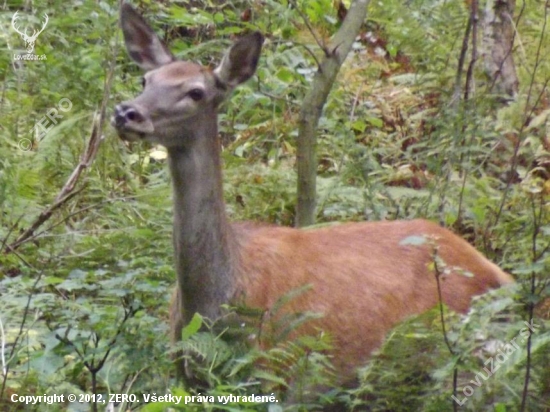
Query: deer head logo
[{"x": 29, "y": 40}]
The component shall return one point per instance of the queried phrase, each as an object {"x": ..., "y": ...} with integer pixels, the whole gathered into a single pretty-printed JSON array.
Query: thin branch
[
  {"x": 309, "y": 51},
  {"x": 443, "y": 326},
  {"x": 319, "y": 41},
  {"x": 440, "y": 300},
  {"x": 10, "y": 231},
  {"x": 92, "y": 366},
  {"x": 355, "y": 102},
  {"x": 531, "y": 304},
  {"x": 474, "y": 18},
  {"x": 537, "y": 101},
  {"x": 67, "y": 191},
  {"x": 461, "y": 60},
  {"x": 70, "y": 215},
  {"x": 127, "y": 391}
]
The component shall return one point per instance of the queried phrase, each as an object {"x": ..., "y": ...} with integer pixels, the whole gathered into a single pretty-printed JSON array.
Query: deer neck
[{"x": 203, "y": 240}]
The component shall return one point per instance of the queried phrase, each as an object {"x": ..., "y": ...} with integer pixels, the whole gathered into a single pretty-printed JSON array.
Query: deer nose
[{"x": 126, "y": 114}]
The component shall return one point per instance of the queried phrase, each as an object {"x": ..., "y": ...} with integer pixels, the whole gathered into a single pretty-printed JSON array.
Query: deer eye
[
  {"x": 143, "y": 82},
  {"x": 196, "y": 94}
]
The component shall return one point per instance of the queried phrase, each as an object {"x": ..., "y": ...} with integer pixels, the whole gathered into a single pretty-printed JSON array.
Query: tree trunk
[
  {"x": 314, "y": 101},
  {"x": 497, "y": 43}
]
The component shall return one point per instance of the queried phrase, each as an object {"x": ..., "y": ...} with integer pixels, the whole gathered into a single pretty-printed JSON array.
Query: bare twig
[
  {"x": 309, "y": 51},
  {"x": 10, "y": 231},
  {"x": 474, "y": 18},
  {"x": 94, "y": 365},
  {"x": 70, "y": 215},
  {"x": 67, "y": 192},
  {"x": 129, "y": 387},
  {"x": 318, "y": 40},
  {"x": 461, "y": 60},
  {"x": 438, "y": 274},
  {"x": 355, "y": 102},
  {"x": 537, "y": 224}
]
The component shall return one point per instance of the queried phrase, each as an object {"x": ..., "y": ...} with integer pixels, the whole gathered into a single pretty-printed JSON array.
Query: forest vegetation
[{"x": 419, "y": 123}]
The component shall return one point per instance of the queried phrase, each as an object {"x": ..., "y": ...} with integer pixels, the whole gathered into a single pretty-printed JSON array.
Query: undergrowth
[{"x": 84, "y": 296}]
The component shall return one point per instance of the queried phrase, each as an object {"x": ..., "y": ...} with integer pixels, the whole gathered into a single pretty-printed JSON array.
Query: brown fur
[{"x": 363, "y": 279}]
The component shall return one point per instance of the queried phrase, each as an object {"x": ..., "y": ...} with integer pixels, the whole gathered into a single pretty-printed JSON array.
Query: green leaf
[
  {"x": 392, "y": 50},
  {"x": 52, "y": 280},
  {"x": 261, "y": 374},
  {"x": 285, "y": 75},
  {"x": 47, "y": 363},
  {"x": 500, "y": 407},
  {"x": 359, "y": 125},
  {"x": 376, "y": 122},
  {"x": 192, "y": 327}
]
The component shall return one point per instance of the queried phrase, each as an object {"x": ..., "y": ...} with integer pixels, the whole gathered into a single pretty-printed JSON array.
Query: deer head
[
  {"x": 179, "y": 98},
  {"x": 29, "y": 40}
]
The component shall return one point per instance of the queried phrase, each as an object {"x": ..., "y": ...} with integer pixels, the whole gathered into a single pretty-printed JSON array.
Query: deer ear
[
  {"x": 241, "y": 60},
  {"x": 143, "y": 45}
]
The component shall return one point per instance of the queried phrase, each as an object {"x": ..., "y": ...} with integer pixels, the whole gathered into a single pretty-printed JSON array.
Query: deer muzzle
[{"x": 130, "y": 122}]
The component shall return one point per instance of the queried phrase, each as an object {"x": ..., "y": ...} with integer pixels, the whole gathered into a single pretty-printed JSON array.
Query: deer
[
  {"x": 363, "y": 277},
  {"x": 29, "y": 40}
]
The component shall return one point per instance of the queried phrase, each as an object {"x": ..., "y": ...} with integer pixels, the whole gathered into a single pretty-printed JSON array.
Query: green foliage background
[{"x": 84, "y": 302}]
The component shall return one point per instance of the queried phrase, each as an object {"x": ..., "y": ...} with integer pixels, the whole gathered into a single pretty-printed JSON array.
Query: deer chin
[
  {"x": 133, "y": 132},
  {"x": 132, "y": 136}
]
